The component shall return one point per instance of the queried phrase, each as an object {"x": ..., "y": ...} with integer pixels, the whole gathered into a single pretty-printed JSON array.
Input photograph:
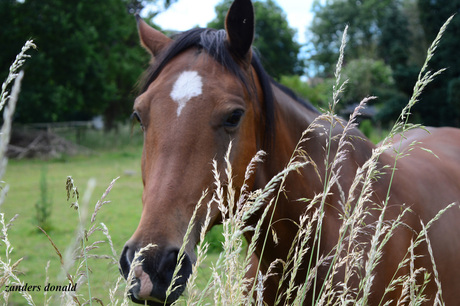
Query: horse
[{"x": 206, "y": 90}]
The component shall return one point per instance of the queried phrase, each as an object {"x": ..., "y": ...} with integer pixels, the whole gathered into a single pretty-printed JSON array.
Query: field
[{"x": 121, "y": 215}]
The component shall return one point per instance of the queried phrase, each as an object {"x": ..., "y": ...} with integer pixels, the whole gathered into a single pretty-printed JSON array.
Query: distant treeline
[
  {"x": 386, "y": 47},
  {"x": 89, "y": 59}
]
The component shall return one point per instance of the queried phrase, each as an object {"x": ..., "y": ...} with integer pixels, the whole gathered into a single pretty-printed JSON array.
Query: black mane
[{"x": 214, "y": 43}]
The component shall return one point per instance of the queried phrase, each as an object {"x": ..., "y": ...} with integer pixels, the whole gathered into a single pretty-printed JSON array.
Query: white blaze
[{"x": 187, "y": 86}]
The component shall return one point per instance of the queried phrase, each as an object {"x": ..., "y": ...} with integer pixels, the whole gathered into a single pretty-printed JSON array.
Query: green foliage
[
  {"x": 395, "y": 34},
  {"x": 366, "y": 77},
  {"x": 314, "y": 94},
  {"x": 366, "y": 127},
  {"x": 374, "y": 134},
  {"x": 454, "y": 98},
  {"x": 87, "y": 62},
  {"x": 295, "y": 83},
  {"x": 393, "y": 102},
  {"x": 436, "y": 108},
  {"x": 215, "y": 239},
  {"x": 364, "y": 35},
  {"x": 43, "y": 207},
  {"x": 273, "y": 37},
  {"x": 377, "y": 56}
]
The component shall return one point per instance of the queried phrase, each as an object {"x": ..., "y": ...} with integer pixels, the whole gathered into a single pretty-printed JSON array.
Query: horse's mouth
[
  {"x": 139, "y": 296},
  {"x": 151, "y": 302},
  {"x": 134, "y": 294}
]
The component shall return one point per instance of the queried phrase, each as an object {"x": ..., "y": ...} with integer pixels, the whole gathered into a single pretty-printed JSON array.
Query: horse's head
[{"x": 199, "y": 96}]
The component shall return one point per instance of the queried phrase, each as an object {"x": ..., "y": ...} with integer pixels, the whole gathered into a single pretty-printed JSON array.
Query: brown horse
[{"x": 207, "y": 89}]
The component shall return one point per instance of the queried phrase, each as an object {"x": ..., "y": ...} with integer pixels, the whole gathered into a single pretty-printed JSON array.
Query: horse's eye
[
  {"x": 135, "y": 117},
  {"x": 234, "y": 118}
]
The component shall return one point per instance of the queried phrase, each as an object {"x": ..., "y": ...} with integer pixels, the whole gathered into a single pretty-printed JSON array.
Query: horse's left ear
[
  {"x": 239, "y": 25},
  {"x": 151, "y": 39}
]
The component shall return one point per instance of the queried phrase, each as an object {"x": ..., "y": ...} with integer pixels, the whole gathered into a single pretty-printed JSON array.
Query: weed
[{"x": 43, "y": 207}]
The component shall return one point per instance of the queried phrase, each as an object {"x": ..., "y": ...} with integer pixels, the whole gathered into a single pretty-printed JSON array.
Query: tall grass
[
  {"x": 8, "y": 100},
  {"x": 228, "y": 273},
  {"x": 74, "y": 261},
  {"x": 227, "y": 284}
]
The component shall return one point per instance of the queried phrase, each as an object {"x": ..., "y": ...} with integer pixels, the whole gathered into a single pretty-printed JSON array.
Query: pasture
[{"x": 120, "y": 216}]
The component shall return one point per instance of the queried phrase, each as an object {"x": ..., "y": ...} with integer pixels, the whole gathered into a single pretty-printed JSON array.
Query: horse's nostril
[
  {"x": 126, "y": 259},
  {"x": 166, "y": 271},
  {"x": 162, "y": 270},
  {"x": 168, "y": 264}
]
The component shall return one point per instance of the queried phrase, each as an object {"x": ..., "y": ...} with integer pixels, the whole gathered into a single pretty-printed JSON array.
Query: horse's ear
[
  {"x": 151, "y": 39},
  {"x": 239, "y": 25}
]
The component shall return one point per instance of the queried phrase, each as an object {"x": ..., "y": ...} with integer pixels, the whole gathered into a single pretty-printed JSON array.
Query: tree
[
  {"x": 316, "y": 95},
  {"x": 377, "y": 29},
  {"x": 438, "y": 104},
  {"x": 273, "y": 37},
  {"x": 87, "y": 62},
  {"x": 397, "y": 32},
  {"x": 376, "y": 52},
  {"x": 366, "y": 77},
  {"x": 394, "y": 35}
]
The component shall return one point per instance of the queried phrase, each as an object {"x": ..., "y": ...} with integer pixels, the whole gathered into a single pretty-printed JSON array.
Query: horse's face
[{"x": 190, "y": 113}]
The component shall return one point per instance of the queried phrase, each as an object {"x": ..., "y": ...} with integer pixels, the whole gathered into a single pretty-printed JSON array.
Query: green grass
[{"x": 121, "y": 216}]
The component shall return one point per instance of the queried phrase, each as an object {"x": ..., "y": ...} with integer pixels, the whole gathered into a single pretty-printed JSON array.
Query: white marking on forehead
[{"x": 187, "y": 86}]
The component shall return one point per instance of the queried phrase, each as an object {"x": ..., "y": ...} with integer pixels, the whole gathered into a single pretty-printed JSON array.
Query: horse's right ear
[{"x": 151, "y": 39}]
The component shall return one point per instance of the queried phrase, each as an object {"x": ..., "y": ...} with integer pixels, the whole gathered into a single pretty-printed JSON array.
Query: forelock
[{"x": 213, "y": 42}]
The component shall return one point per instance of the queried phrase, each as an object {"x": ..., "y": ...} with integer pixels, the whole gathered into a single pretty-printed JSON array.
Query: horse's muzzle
[{"x": 153, "y": 276}]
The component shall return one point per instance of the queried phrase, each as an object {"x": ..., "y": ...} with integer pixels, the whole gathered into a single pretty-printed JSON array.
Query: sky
[{"x": 185, "y": 14}]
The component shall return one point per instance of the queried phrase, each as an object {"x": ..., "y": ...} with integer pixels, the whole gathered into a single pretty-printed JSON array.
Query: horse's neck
[{"x": 292, "y": 119}]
